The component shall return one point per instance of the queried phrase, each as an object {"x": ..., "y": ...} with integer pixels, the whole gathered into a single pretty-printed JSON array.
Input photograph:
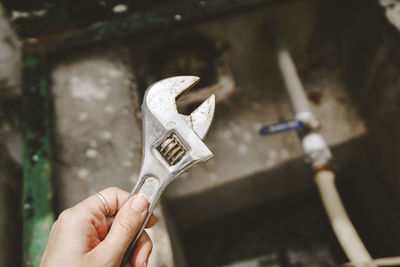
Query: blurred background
[{"x": 303, "y": 88}]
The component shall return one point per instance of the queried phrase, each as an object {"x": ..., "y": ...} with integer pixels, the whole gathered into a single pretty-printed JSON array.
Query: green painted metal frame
[{"x": 38, "y": 213}]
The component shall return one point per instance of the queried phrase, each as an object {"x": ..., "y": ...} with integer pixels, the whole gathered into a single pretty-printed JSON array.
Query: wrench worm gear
[{"x": 172, "y": 149}]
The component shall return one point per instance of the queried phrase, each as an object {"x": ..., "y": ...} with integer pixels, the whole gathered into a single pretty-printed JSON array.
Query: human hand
[{"x": 84, "y": 236}]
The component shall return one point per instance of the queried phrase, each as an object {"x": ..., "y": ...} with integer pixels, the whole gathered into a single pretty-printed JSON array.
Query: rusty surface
[
  {"x": 180, "y": 12},
  {"x": 315, "y": 97}
]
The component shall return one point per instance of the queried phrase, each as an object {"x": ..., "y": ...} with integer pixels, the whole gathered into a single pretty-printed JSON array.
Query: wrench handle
[
  {"x": 132, "y": 245},
  {"x": 150, "y": 187}
]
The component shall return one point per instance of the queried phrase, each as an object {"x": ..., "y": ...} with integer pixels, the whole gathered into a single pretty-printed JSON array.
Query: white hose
[
  {"x": 294, "y": 87},
  {"x": 318, "y": 152},
  {"x": 389, "y": 261},
  {"x": 340, "y": 221}
]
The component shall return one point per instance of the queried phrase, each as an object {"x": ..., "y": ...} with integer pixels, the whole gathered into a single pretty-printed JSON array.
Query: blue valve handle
[{"x": 282, "y": 127}]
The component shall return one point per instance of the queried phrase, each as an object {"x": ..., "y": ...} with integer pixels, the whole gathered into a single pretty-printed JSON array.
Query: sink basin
[{"x": 255, "y": 203}]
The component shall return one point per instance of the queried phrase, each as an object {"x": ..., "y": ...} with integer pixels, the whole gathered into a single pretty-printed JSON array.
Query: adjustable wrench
[{"x": 172, "y": 142}]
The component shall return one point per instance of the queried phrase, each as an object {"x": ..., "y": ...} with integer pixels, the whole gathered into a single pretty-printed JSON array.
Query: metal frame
[{"x": 38, "y": 213}]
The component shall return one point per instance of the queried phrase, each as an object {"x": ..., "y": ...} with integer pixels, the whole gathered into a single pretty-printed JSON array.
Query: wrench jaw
[
  {"x": 160, "y": 99},
  {"x": 169, "y": 89},
  {"x": 200, "y": 119}
]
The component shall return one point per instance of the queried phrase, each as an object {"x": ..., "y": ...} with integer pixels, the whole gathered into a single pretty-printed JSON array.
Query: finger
[
  {"x": 124, "y": 228},
  {"x": 94, "y": 209},
  {"x": 114, "y": 197},
  {"x": 110, "y": 221},
  {"x": 142, "y": 252},
  {"x": 53, "y": 235},
  {"x": 152, "y": 221}
]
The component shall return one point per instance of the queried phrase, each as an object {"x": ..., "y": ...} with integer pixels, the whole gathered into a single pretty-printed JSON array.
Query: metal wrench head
[
  {"x": 161, "y": 101},
  {"x": 172, "y": 141}
]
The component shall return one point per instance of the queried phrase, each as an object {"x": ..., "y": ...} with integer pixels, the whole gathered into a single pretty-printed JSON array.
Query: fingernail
[{"x": 139, "y": 203}]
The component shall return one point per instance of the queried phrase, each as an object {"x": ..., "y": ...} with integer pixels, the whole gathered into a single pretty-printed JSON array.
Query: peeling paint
[
  {"x": 82, "y": 88},
  {"x": 83, "y": 173},
  {"x": 106, "y": 135},
  {"x": 91, "y": 153}
]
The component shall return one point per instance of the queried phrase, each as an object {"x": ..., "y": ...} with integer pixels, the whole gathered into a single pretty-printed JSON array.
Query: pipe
[
  {"x": 318, "y": 154},
  {"x": 294, "y": 87},
  {"x": 388, "y": 261},
  {"x": 292, "y": 82},
  {"x": 340, "y": 221}
]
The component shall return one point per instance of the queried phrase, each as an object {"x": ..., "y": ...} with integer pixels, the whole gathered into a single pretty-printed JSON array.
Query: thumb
[{"x": 126, "y": 224}]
